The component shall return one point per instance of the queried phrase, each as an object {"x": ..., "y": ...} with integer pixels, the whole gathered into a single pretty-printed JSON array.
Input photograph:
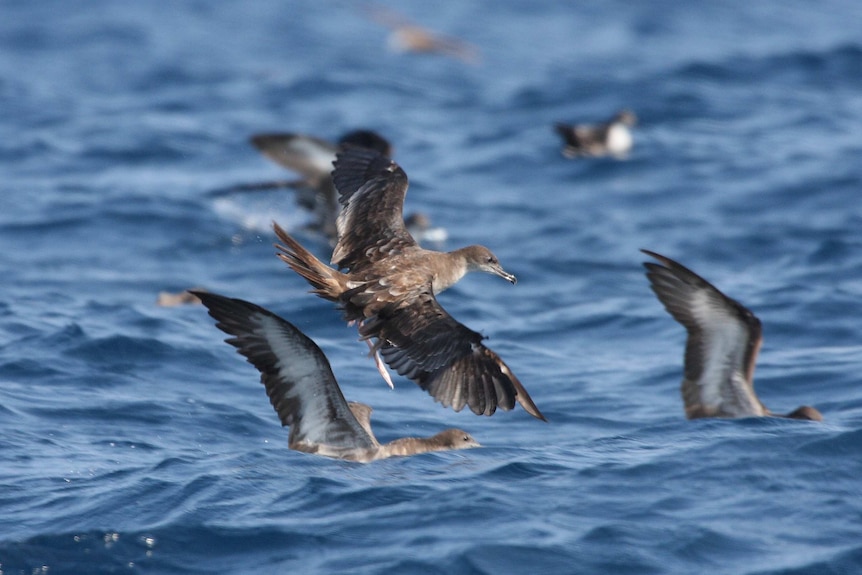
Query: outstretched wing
[
  {"x": 312, "y": 157},
  {"x": 422, "y": 342},
  {"x": 371, "y": 189},
  {"x": 724, "y": 338},
  {"x": 296, "y": 374}
]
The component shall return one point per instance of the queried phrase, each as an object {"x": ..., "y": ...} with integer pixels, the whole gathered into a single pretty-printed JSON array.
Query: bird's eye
[
  {"x": 466, "y": 438},
  {"x": 490, "y": 260}
]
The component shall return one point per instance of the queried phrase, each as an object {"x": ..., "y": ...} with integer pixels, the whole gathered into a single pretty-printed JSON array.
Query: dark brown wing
[
  {"x": 296, "y": 374},
  {"x": 422, "y": 342},
  {"x": 366, "y": 139},
  {"x": 567, "y": 132},
  {"x": 371, "y": 189},
  {"x": 724, "y": 338}
]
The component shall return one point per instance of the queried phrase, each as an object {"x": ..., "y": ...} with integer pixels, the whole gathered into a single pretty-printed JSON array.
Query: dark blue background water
[{"x": 133, "y": 441}]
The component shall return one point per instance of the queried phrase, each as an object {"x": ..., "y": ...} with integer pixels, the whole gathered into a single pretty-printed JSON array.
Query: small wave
[{"x": 839, "y": 65}]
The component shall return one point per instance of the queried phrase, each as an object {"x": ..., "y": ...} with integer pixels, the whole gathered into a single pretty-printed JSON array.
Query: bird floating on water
[
  {"x": 612, "y": 138},
  {"x": 304, "y": 392},
  {"x": 390, "y": 289},
  {"x": 724, "y": 338}
]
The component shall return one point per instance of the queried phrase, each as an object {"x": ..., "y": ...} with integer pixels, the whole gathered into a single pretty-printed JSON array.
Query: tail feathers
[{"x": 327, "y": 282}]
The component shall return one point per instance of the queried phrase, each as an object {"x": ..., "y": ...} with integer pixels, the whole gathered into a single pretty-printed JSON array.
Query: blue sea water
[{"x": 132, "y": 440}]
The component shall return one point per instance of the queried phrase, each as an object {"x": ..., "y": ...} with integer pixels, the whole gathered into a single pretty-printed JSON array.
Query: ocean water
[{"x": 132, "y": 440}]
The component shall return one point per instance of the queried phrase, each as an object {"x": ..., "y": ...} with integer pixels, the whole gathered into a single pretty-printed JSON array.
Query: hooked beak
[{"x": 505, "y": 275}]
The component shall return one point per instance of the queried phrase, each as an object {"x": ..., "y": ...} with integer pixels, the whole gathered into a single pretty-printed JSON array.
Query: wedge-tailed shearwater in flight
[
  {"x": 724, "y": 338},
  {"x": 390, "y": 289},
  {"x": 406, "y": 36},
  {"x": 304, "y": 392},
  {"x": 612, "y": 138}
]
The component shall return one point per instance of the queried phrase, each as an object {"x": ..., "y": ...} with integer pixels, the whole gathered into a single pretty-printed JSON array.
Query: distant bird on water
[
  {"x": 390, "y": 289},
  {"x": 612, "y": 138},
  {"x": 724, "y": 338},
  {"x": 304, "y": 392}
]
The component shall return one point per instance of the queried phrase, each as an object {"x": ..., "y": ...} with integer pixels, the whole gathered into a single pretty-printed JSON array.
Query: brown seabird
[
  {"x": 724, "y": 338},
  {"x": 185, "y": 297},
  {"x": 312, "y": 157},
  {"x": 304, "y": 392},
  {"x": 390, "y": 288},
  {"x": 406, "y": 36},
  {"x": 612, "y": 138}
]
